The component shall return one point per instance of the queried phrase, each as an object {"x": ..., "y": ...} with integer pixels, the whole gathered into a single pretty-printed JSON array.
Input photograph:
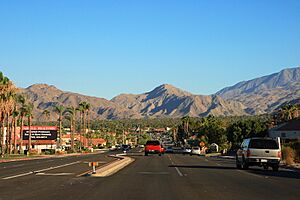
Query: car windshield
[
  {"x": 263, "y": 144},
  {"x": 154, "y": 142}
]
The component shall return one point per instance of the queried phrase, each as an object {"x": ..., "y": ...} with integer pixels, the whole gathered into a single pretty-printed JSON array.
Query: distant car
[
  {"x": 125, "y": 148},
  {"x": 169, "y": 150},
  {"x": 186, "y": 150},
  {"x": 263, "y": 152},
  {"x": 153, "y": 147},
  {"x": 195, "y": 151}
]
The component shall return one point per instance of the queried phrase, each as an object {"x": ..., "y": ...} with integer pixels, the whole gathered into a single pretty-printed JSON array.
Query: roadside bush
[
  {"x": 289, "y": 155},
  {"x": 71, "y": 151},
  {"x": 49, "y": 151},
  {"x": 33, "y": 152},
  {"x": 60, "y": 152}
]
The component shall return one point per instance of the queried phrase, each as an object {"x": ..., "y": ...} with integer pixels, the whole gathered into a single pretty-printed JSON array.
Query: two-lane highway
[
  {"x": 11, "y": 170},
  {"x": 171, "y": 176}
]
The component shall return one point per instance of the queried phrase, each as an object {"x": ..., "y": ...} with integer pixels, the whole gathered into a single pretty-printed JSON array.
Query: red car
[{"x": 153, "y": 147}]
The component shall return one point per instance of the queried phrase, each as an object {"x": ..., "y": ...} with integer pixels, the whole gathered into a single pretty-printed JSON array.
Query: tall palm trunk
[
  {"x": 7, "y": 148},
  {"x": 15, "y": 136},
  {"x": 2, "y": 135},
  {"x": 84, "y": 122},
  {"x": 21, "y": 133},
  {"x": 72, "y": 133},
  {"x": 60, "y": 128},
  {"x": 80, "y": 130},
  {"x": 10, "y": 131},
  {"x": 29, "y": 139}
]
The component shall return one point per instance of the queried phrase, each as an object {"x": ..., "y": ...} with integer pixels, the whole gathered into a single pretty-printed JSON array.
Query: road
[{"x": 171, "y": 176}]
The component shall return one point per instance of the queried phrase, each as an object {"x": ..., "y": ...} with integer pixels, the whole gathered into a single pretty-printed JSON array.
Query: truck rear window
[
  {"x": 263, "y": 144},
  {"x": 154, "y": 142}
]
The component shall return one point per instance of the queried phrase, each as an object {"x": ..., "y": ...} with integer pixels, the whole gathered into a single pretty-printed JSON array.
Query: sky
[{"x": 104, "y": 48}]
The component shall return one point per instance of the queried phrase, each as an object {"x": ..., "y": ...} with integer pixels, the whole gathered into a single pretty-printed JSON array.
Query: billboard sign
[{"x": 40, "y": 132}]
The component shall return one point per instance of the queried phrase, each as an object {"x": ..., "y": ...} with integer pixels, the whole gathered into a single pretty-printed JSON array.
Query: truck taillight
[
  {"x": 248, "y": 153},
  {"x": 279, "y": 154}
]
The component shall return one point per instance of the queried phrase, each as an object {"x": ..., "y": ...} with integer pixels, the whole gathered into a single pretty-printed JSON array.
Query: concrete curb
[
  {"x": 113, "y": 167},
  {"x": 212, "y": 154}
]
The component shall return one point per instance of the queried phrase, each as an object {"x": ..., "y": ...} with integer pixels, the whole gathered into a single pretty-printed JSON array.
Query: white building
[{"x": 288, "y": 130}]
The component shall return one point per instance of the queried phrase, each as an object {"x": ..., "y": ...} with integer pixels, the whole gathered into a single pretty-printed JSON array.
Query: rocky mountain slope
[
  {"x": 267, "y": 93},
  {"x": 163, "y": 101},
  {"x": 46, "y": 97},
  {"x": 168, "y": 101},
  {"x": 256, "y": 96}
]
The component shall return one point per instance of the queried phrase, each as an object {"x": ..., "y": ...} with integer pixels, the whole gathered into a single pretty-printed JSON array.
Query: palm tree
[
  {"x": 186, "y": 120},
  {"x": 287, "y": 112},
  {"x": 81, "y": 111},
  {"x": 72, "y": 112},
  {"x": 46, "y": 113},
  {"x": 7, "y": 102},
  {"x": 22, "y": 101},
  {"x": 29, "y": 115},
  {"x": 60, "y": 110},
  {"x": 85, "y": 114},
  {"x": 83, "y": 106},
  {"x": 21, "y": 119},
  {"x": 15, "y": 116}
]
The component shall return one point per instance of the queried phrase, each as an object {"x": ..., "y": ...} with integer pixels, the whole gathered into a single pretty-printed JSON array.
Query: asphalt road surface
[{"x": 171, "y": 176}]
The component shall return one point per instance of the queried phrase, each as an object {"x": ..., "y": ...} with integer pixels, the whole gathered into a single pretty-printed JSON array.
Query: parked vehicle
[
  {"x": 125, "y": 148},
  {"x": 263, "y": 152},
  {"x": 169, "y": 150},
  {"x": 153, "y": 147},
  {"x": 186, "y": 150},
  {"x": 195, "y": 151}
]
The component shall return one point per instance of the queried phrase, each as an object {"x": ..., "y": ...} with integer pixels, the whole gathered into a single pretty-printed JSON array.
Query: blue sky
[{"x": 104, "y": 48}]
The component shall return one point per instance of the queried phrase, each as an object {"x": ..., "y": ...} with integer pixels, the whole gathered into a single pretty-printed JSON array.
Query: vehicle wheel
[
  {"x": 191, "y": 154},
  {"x": 275, "y": 168},
  {"x": 159, "y": 154},
  {"x": 244, "y": 164},
  {"x": 266, "y": 167}
]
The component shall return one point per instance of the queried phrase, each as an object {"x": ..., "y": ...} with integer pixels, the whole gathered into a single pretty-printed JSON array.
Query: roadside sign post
[{"x": 94, "y": 165}]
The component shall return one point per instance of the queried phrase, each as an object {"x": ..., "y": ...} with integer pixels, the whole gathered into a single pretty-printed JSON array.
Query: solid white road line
[
  {"x": 178, "y": 171},
  {"x": 16, "y": 176},
  {"x": 38, "y": 171},
  {"x": 50, "y": 168}
]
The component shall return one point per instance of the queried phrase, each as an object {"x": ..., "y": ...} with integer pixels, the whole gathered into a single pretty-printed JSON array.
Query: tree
[
  {"x": 60, "y": 110},
  {"x": 46, "y": 114},
  {"x": 15, "y": 115},
  {"x": 80, "y": 110},
  {"x": 287, "y": 112},
  {"x": 7, "y": 104},
  {"x": 21, "y": 119},
  {"x": 72, "y": 112},
  {"x": 84, "y": 108},
  {"x": 29, "y": 115}
]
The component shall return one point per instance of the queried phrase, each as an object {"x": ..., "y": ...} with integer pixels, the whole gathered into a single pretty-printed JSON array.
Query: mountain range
[{"x": 257, "y": 96}]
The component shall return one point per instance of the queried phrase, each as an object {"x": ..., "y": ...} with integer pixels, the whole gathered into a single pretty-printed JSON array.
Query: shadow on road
[
  {"x": 258, "y": 171},
  {"x": 280, "y": 173}
]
